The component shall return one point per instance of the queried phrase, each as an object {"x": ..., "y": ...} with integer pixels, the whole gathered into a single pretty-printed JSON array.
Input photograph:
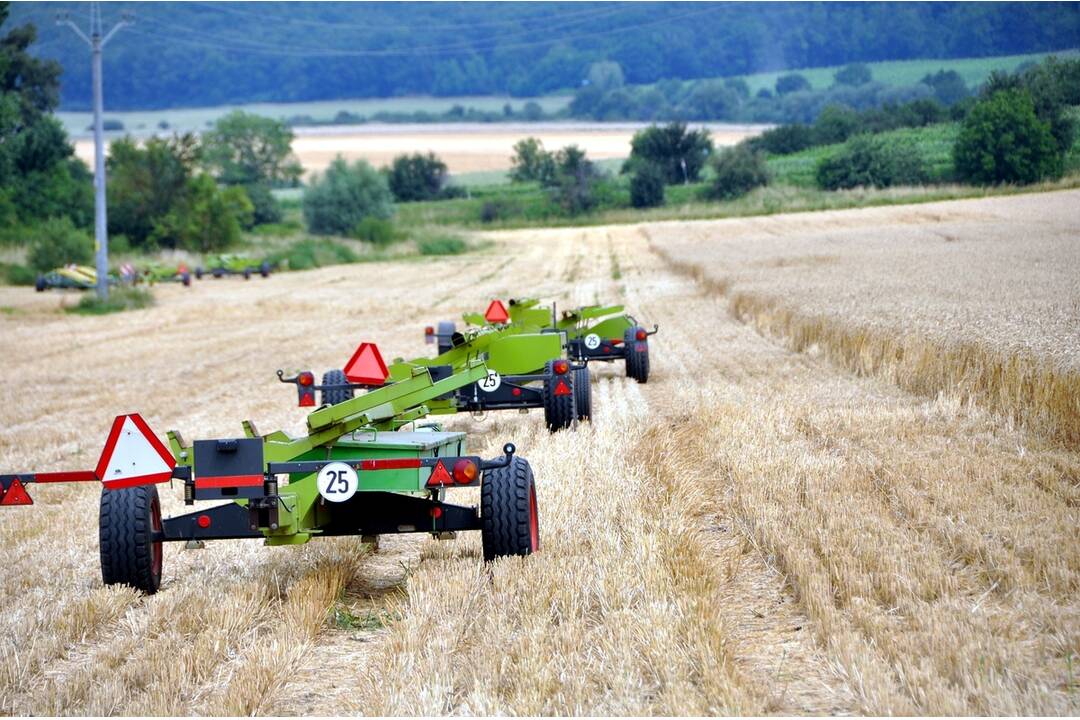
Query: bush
[
  {"x": 531, "y": 163},
  {"x": 784, "y": 139},
  {"x": 647, "y": 187},
  {"x": 120, "y": 299},
  {"x": 345, "y": 194},
  {"x": 792, "y": 82},
  {"x": 18, "y": 274},
  {"x": 574, "y": 181},
  {"x": 854, "y": 74},
  {"x": 737, "y": 170},
  {"x": 375, "y": 231},
  {"x": 416, "y": 177},
  {"x": 205, "y": 218},
  {"x": 835, "y": 124},
  {"x": 56, "y": 243},
  {"x": 441, "y": 245},
  {"x": 677, "y": 153},
  {"x": 266, "y": 209},
  {"x": 1002, "y": 141},
  {"x": 867, "y": 161},
  {"x": 309, "y": 253}
]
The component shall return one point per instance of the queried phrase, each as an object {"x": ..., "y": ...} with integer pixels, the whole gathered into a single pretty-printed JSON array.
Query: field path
[{"x": 756, "y": 530}]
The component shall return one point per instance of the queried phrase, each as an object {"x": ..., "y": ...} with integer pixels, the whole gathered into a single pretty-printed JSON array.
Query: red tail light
[
  {"x": 560, "y": 367},
  {"x": 465, "y": 471},
  {"x": 305, "y": 379},
  {"x": 642, "y": 335},
  {"x": 203, "y": 521},
  {"x": 429, "y": 330}
]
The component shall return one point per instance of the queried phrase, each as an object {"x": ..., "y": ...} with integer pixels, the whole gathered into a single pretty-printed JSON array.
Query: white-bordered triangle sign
[{"x": 133, "y": 455}]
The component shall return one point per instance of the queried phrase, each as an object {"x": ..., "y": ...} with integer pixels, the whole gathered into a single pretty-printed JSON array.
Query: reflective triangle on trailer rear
[
  {"x": 496, "y": 312},
  {"x": 366, "y": 367},
  {"x": 15, "y": 495},
  {"x": 133, "y": 455}
]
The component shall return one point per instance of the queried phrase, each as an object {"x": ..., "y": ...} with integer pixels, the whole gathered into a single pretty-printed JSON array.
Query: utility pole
[{"x": 96, "y": 41}]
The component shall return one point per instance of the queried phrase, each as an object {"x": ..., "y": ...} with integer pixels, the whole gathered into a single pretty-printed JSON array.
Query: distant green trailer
[
  {"x": 594, "y": 333},
  {"x": 219, "y": 266}
]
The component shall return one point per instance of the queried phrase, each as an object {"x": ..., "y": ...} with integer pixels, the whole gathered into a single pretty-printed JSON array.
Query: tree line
[{"x": 202, "y": 54}]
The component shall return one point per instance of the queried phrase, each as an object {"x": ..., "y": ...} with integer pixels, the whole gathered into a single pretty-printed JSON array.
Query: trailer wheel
[
  {"x": 40, "y": 285},
  {"x": 558, "y": 409},
  {"x": 332, "y": 394},
  {"x": 583, "y": 393},
  {"x": 509, "y": 521},
  {"x": 264, "y": 269},
  {"x": 637, "y": 356},
  {"x": 129, "y": 554},
  {"x": 198, "y": 273},
  {"x": 446, "y": 330},
  {"x": 185, "y": 279},
  {"x": 247, "y": 273}
]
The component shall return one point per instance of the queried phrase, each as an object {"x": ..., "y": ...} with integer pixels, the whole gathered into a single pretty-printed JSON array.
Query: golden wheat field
[{"x": 844, "y": 489}]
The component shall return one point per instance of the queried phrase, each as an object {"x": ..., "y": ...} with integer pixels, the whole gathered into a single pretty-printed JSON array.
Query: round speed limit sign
[
  {"x": 337, "y": 482},
  {"x": 592, "y": 341},
  {"x": 490, "y": 382}
]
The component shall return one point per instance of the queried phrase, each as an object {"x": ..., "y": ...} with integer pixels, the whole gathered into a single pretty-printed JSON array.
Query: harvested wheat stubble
[
  {"x": 977, "y": 298},
  {"x": 755, "y": 530}
]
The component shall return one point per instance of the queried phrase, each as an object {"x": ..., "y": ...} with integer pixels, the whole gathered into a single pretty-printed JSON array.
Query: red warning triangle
[
  {"x": 562, "y": 388},
  {"x": 496, "y": 312},
  {"x": 366, "y": 367},
  {"x": 439, "y": 476},
  {"x": 16, "y": 495},
  {"x": 133, "y": 455}
]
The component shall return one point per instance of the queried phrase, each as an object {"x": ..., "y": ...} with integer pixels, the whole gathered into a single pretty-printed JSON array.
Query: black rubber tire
[
  {"x": 446, "y": 329},
  {"x": 198, "y": 273},
  {"x": 334, "y": 395},
  {"x": 185, "y": 279},
  {"x": 558, "y": 409},
  {"x": 509, "y": 521},
  {"x": 218, "y": 273},
  {"x": 264, "y": 269},
  {"x": 582, "y": 393},
  {"x": 129, "y": 556},
  {"x": 637, "y": 356},
  {"x": 40, "y": 285},
  {"x": 247, "y": 273}
]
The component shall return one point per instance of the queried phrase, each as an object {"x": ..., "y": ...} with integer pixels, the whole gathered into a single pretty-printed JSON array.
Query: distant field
[
  {"x": 195, "y": 119},
  {"x": 465, "y": 148},
  {"x": 908, "y": 72}
]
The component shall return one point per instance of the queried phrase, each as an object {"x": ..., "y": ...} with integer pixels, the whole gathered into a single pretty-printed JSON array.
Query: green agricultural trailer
[
  {"x": 152, "y": 273},
  {"x": 524, "y": 371},
  {"x": 69, "y": 277},
  {"x": 220, "y": 266},
  {"x": 356, "y": 471},
  {"x": 594, "y": 333}
]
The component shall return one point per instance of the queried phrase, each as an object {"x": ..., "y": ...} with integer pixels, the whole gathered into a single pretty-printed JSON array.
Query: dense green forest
[{"x": 204, "y": 53}]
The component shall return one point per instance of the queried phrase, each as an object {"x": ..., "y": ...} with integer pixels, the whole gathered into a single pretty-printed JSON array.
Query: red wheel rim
[
  {"x": 155, "y": 547},
  {"x": 534, "y": 521}
]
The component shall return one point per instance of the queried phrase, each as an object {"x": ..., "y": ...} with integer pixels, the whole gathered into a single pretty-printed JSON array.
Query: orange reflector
[
  {"x": 16, "y": 494},
  {"x": 496, "y": 312},
  {"x": 429, "y": 330},
  {"x": 562, "y": 388},
  {"x": 642, "y": 335},
  {"x": 306, "y": 379},
  {"x": 464, "y": 471},
  {"x": 366, "y": 367},
  {"x": 560, "y": 367},
  {"x": 439, "y": 476}
]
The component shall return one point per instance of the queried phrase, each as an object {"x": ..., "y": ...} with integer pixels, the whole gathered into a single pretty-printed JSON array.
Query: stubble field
[{"x": 792, "y": 516}]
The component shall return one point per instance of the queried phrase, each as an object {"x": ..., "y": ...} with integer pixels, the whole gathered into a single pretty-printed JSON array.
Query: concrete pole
[
  {"x": 97, "y": 41},
  {"x": 101, "y": 232}
]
